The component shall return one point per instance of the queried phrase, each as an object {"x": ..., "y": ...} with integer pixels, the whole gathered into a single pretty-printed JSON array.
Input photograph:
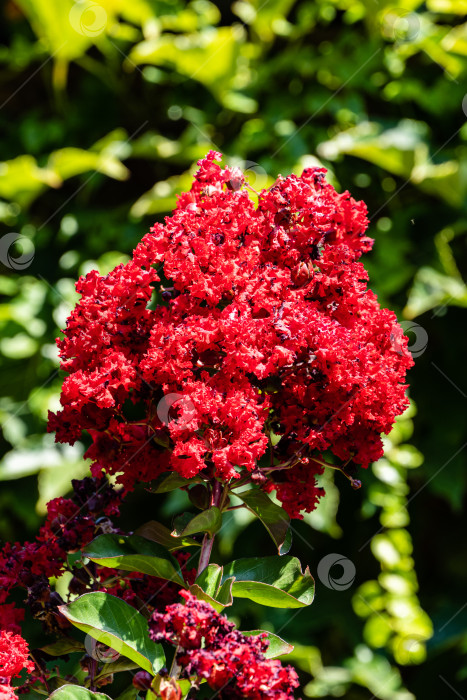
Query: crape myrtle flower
[
  {"x": 209, "y": 647},
  {"x": 262, "y": 324},
  {"x": 70, "y": 524},
  {"x": 14, "y": 652}
]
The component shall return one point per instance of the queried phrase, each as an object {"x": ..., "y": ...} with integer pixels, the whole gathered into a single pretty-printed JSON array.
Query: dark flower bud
[
  {"x": 142, "y": 680},
  {"x": 236, "y": 179}
]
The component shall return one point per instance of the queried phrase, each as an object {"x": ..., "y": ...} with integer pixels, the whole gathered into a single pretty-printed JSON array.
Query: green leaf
[
  {"x": 113, "y": 622},
  {"x": 63, "y": 646},
  {"x": 209, "y": 587},
  {"x": 277, "y": 645},
  {"x": 286, "y": 546},
  {"x": 394, "y": 150},
  {"x": 210, "y": 579},
  {"x": 224, "y": 594},
  {"x": 273, "y": 517},
  {"x": 76, "y": 692},
  {"x": 169, "y": 481},
  {"x": 202, "y": 595},
  {"x": 121, "y": 664},
  {"x": 185, "y": 687},
  {"x": 134, "y": 553},
  {"x": 432, "y": 288},
  {"x": 181, "y": 521},
  {"x": 130, "y": 693},
  {"x": 209, "y": 520},
  {"x": 69, "y": 162},
  {"x": 156, "y": 532},
  {"x": 22, "y": 180},
  {"x": 274, "y": 581},
  {"x": 51, "y": 22},
  {"x": 161, "y": 197},
  {"x": 214, "y": 52}
]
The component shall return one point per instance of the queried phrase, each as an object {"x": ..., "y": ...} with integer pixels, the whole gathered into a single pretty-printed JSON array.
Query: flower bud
[
  {"x": 170, "y": 690},
  {"x": 301, "y": 274},
  {"x": 142, "y": 680},
  {"x": 236, "y": 179},
  {"x": 282, "y": 217}
]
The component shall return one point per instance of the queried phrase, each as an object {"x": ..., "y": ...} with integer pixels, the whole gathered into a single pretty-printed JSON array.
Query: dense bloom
[
  {"x": 234, "y": 328},
  {"x": 13, "y": 659},
  {"x": 210, "y": 648}
]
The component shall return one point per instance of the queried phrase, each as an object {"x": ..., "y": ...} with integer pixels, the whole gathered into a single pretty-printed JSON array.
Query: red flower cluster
[
  {"x": 210, "y": 648},
  {"x": 14, "y": 652},
  {"x": 230, "y": 323},
  {"x": 71, "y": 523}
]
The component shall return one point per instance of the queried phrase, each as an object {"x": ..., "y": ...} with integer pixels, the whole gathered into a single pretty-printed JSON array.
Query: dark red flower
[
  {"x": 71, "y": 523},
  {"x": 210, "y": 648},
  {"x": 10, "y": 617}
]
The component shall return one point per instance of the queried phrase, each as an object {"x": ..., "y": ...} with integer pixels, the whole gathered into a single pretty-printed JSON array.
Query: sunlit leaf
[
  {"x": 209, "y": 521},
  {"x": 273, "y": 581},
  {"x": 277, "y": 645},
  {"x": 118, "y": 625},
  {"x": 77, "y": 692},
  {"x": 134, "y": 553}
]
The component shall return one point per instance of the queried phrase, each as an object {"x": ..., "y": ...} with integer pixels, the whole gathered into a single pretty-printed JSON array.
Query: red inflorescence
[
  {"x": 210, "y": 648},
  {"x": 14, "y": 652},
  {"x": 232, "y": 323},
  {"x": 71, "y": 523}
]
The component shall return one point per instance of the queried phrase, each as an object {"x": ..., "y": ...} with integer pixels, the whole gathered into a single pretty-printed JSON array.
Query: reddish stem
[{"x": 208, "y": 540}]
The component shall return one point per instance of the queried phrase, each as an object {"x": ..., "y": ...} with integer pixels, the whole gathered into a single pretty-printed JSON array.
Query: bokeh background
[{"x": 104, "y": 110}]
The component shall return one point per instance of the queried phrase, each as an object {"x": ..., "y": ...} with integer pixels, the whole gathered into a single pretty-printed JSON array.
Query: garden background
[{"x": 104, "y": 110}]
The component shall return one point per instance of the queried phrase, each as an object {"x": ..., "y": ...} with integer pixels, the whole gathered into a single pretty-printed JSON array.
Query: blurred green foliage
[{"x": 104, "y": 109}]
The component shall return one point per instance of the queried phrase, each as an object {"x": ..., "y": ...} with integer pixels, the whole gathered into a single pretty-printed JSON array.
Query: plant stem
[
  {"x": 175, "y": 668},
  {"x": 208, "y": 540},
  {"x": 92, "y": 674},
  {"x": 205, "y": 553}
]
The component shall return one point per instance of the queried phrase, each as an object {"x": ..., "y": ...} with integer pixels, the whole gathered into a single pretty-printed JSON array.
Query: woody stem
[{"x": 208, "y": 540}]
